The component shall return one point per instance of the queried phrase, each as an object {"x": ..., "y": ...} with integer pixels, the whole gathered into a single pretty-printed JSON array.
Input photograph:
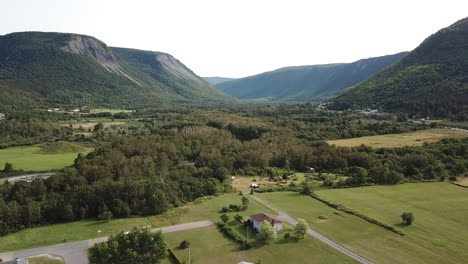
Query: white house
[
  {"x": 254, "y": 185},
  {"x": 258, "y": 219}
]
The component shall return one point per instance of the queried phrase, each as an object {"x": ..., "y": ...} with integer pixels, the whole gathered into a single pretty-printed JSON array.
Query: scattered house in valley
[
  {"x": 254, "y": 185},
  {"x": 2, "y": 116},
  {"x": 16, "y": 261},
  {"x": 256, "y": 221}
]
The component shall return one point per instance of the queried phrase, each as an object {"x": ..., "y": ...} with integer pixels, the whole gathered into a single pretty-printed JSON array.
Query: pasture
[
  {"x": 416, "y": 138},
  {"x": 436, "y": 236},
  {"x": 41, "y": 157}
]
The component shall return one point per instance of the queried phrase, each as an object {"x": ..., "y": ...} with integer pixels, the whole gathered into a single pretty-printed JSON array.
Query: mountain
[
  {"x": 431, "y": 81},
  {"x": 306, "y": 83},
  {"x": 61, "y": 68},
  {"x": 217, "y": 80}
]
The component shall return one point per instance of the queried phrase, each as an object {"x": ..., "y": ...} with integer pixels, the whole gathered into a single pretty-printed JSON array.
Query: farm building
[
  {"x": 254, "y": 185},
  {"x": 257, "y": 220}
]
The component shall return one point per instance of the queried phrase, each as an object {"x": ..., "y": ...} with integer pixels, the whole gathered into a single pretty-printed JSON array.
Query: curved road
[
  {"x": 286, "y": 218},
  {"x": 76, "y": 252}
]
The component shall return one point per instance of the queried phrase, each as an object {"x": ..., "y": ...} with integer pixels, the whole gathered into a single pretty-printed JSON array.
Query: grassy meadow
[
  {"x": 440, "y": 212},
  {"x": 427, "y": 241},
  {"x": 209, "y": 246},
  {"x": 205, "y": 209},
  {"x": 416, "y": 138},
  {"x": 42, "y": 157}
]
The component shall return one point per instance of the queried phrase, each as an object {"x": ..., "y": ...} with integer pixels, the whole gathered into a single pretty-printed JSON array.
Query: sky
[{"x": 239, "y": 38}]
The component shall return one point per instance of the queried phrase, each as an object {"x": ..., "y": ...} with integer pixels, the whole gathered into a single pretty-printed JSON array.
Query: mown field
[
  {"x": 437, "y": 236},
  {"x": 440, "y": 211},
  {"x": 86, "y": 229},
  {"x": 209, "y": 246},
  {"x": 41, "y": 157},
  {"x": 415, "y": 138}
]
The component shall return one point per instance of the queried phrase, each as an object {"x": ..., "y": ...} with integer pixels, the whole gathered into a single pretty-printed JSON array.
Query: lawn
[
  {"x": 208, "y": 209},
  {"x": 30, "y": 158},
  {"x": 208, "y": 245},
  {"x": 369, "y": 240},
  {"x": 440, "y": 209},
  {"x": 416, "y": 138}
]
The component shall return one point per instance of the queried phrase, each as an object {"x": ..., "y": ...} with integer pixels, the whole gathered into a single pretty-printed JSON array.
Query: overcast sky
[{"x": 243, "y": 37}]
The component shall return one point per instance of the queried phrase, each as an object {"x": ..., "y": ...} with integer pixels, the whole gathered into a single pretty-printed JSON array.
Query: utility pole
[{"x": 189, "y": 258}]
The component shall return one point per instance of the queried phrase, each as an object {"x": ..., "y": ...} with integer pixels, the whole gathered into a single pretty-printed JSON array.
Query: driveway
[
  {"x": 76, "y": 252},
  {"x": 286, "y": 218}
]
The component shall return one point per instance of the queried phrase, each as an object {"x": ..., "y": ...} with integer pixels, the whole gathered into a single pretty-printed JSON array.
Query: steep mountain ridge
[
  {"x": 431, "y": 81},
  {"x": 63, "y": 68},
  {"x": 306, "y": 83}
]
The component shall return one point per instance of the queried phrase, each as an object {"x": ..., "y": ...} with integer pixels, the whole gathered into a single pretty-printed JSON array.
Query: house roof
[{"x": 264, "y": 216}]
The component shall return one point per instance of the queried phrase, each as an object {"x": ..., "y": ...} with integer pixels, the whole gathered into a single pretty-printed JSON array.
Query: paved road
[
  {"x": 27, "y": 177},
  {"x": 286, "y": 218},
  {"x": 76, "y": 252}
]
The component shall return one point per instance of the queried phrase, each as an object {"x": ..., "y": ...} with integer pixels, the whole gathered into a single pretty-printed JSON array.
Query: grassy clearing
[
  {"x": 416, "y": 138},
  {"x": 41, "y": 158},
  {"x": 242, "y": 183},
  {"x": 463, "y": 181},
  {"x": 440, "y": 213},
  {"x": 109, "y": 110},
  {"x": 360, "y": 236},
  {"x": 208, "y": 245},
  {"x": 86, "y": 229}
]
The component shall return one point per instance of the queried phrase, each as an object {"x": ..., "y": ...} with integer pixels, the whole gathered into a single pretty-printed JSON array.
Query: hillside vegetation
[
  {"x": 56, "y": 68},
  {"x": 306, "y": 83},
  {"x": 430, "y": 81}
]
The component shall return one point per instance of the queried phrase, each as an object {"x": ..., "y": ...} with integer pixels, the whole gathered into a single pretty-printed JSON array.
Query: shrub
[
  {"x": 407, "y": 218},
  {"x": 224, "y": 218},
  {"x": 184, "y": 244},
  {"x": 287, "y": 236}
]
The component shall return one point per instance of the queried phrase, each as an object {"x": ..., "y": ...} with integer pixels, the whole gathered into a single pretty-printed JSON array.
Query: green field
[
  {"x": 420, "y": 245},
  {"x": 440, "y": 209},
  {"x": 37, "y": 158},
  {"x": 209, "y": 246},
  {"x": 85, "y": 229},
  {"x": 415, "y": 138},
  {"x": 109, "y": 110}
]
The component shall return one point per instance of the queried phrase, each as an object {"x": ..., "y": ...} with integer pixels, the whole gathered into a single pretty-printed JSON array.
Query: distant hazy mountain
[
  {"x": 432, "y": 80},
  {"x": 306, "y": 83},
  {"x": 81, "y": 70},
  {"x": 217, "y": 80}
]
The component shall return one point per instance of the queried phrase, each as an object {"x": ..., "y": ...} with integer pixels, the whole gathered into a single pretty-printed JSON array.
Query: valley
[{"x": 118, "y": 154}]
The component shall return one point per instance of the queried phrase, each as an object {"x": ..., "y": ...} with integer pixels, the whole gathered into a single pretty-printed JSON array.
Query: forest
[{"x": 166, "y": 157}]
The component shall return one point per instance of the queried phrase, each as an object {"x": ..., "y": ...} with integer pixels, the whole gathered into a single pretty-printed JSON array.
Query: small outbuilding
[{"x": 254, "y": 185}]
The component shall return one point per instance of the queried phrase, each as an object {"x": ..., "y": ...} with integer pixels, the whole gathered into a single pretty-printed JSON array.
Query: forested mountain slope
[
  {"x": 431, "y": 81},
  {"x": 306, "y": 83},
  {"x": 75, "y": 69}
]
